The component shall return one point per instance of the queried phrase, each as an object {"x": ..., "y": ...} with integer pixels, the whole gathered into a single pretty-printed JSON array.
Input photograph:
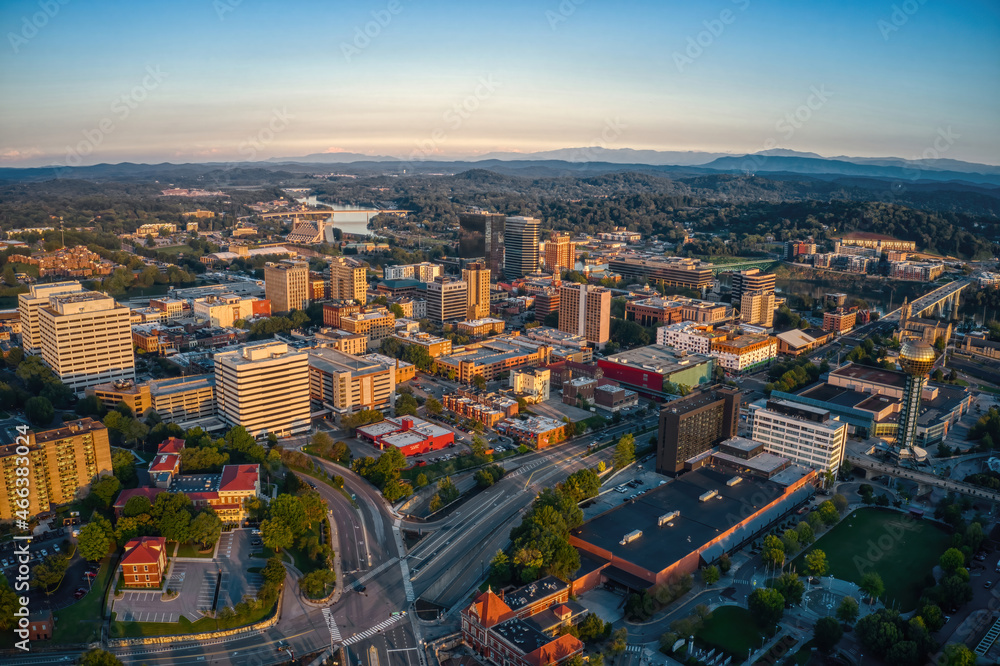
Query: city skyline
[{"x": 236, "y": 81}]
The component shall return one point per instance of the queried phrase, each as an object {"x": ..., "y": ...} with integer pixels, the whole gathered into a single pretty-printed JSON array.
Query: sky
[{"x": 86, "y": 82}]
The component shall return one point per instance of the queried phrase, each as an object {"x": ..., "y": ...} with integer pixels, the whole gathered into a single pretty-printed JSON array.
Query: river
[{"x": 343, "y": 218}]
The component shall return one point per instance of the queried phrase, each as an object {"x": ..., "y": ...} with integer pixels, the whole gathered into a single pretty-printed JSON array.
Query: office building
[
  {"x": 224, "y": 310},
  {"x": 286, "y": 285},
  {"x": 560, "y": 253},
  {"x": 264, "y": 388},
  {"x": 348, "y": 280},
  {"x": 520, "y": 247},
  {"x": 342, "y": 383},
  {"x": 86, "y": 338},
  {"x": 750, "y": 281},
  {"x": 669, "y": 271},
  {"x": 422, "y": 272},
  {"x": 745, "y": 353},
  {"x": 585, "y": 310},
  {"x": 145, "y": 562},
  {"x": 447, "y": 299},
  {"x": 546, "y": 302},
  {"x": 482, "y": 235},
  {"x": 648, "y": 370},
  {"x": 378, "y": 324},
  {"x": 757, "y": 308},
  {"x": 63, "y": 463},
  {"x": 806, "y": 435},
  {"x": 689, "y": 337},
  {"x": 534, "y": 385},
  {"x": 434, "y": 345},
  {"x": 840, "y": 320},
  {"x": 477, "y": 280},
  {"x": 694, "y": 424},
  {"x": 492, "y": 357},
  {"x": 332, "y": 312},
  {"x": 28, "y": 305}
]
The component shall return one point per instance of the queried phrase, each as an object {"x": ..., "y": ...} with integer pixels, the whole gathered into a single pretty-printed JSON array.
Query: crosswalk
[
  {"x": 374, "y": 572},
  {"x": 332, "y": 625},
  {"x": 633, "y": 648},
  {"x": 407, "y": 583},
  {"x": 373, "y": 630},
  {"x": 525, "y": 468}
]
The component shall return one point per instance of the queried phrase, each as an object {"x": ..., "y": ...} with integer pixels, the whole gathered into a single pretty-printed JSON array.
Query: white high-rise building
[
  {"x": 28, "y": 305},
  {"x": 804, "y": 434},
  {"x": 264, "y": 388},
  {"x": 86, "y": 338}
]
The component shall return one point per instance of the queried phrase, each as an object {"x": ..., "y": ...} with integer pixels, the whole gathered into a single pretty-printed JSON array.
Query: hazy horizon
[{"x": 235, "y": 80}]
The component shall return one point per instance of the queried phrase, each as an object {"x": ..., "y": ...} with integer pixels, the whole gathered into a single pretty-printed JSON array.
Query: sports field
[
  {"x": 901, "y": 550},
  {"x": 731, "y": 629}
]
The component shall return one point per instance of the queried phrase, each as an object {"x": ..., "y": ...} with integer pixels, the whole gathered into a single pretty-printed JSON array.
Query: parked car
[
  {"x": 988, "y": 584},
  {"x": 55, "y": 548},
  {"x": 80, "y": 593}
]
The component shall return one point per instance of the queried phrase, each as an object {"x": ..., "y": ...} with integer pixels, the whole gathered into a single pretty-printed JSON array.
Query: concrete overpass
[
  {"x": 944, "y": 298},
  {"x": 762, "y": 264},
  {"x": 923, "y": 478}
]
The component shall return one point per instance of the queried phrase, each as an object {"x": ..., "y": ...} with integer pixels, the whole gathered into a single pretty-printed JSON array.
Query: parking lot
[
  {"x": 197, "y": 581},
  {"x": 625, "y": 486}
]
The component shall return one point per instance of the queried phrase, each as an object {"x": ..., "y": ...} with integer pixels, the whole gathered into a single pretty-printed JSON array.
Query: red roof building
[
  {"x": 145, "y": 562},
  {"x": 171, "y": 445},
  {"x": 129, "y": 493},
  {"x": 164, "y": 468}
]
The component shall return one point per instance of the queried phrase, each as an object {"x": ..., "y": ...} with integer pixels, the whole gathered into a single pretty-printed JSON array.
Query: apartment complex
[
  {"x": 63, "y": 462},
  {"x": 689, "y": 337},
  {"x": 560, "y": 253},
  {"x": 224, "y": 310},
  {"x": 480, "y": 328},
  {"x": 434, "y": 345},
  {"x": 520, "y": 247},
  {"x": 807, "y": 435},
  {"x": 423, "y": 272},
  {"x": 378, "y": 324},
  {"x": 477, "y": 279},
  {"x": 757, "y": 308},
  {"x": 343, "y": 383},
  {"x": 187, "y": 401},
  {"x": 286, "y": 285},
  {"x": 694, "y": 424},
  {"x": 482, "y": 235},
  {"x": 348, "y": 280},
  {"x": 264, "y": 388},
  {"x": 86, "y": 338},
  {"x": 840, "y": 320},
  {"x": 546, "y": 302},
  {"x": 447, "y": 299},
  {"x": 492, "y": 357},
  {"x": 750, "y": 281},
  {"x": 332, "y": 312},
  {"x": 745, "y": 353},
  {"x": 28, "y": 305},
  {"x": 912, "y": 270},
  {"x": 585, "y": 310}
]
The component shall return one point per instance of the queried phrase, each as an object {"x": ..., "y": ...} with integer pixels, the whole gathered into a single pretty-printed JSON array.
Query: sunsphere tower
[{"x": 916, "y": 358}]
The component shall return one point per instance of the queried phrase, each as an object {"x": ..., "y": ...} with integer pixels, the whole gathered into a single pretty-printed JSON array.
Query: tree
[
  {"x": 175, "y": 526},
  {"x": 710, "y": 574},
  {"x": 582, "y": 484},
  {"x": 39, "y": 411},
  {"x": 103, "y": 492},
  {"x": 123, "y": 466},
  {"x": 827, "y": 633},
  {"x": 275, "y": 534},
  {"x": 773, "y": 552},
  {"x": 790, "y": 541},
  {"x": 872, "y": 585},
  {"x": 815, "y": 521},
  {"x": 479, "y": 382},
  {"x": 49, "y": 573},
  {"x": 618, "y": 642},
  {"x": 840, "y": 502},
  {"x": 957, "y": 654},
  {"x": 828, "y": 513},
  {"x": 932, "y": 616},
  {"x": 624, "y": 452},
  {"x": 288, "y": 510},
  {"x": 95, "y": 539},
  {"x": 206, "y": 528},
  {"x": 433, "y": 406},
  {"x": 790, "y": 587},
  {"x": 99, "y": 657},
  {"x": 316, "y": 584},
  {"x": 805, "y": 533},
  {"x": 951, "y": 560},
  {"x": 9, "y": 604},
  {"x": 767, "y": 605},
  {"x": 314, "y": 506},
  {"x": 406, "y": 405},
  {"x": 725, "y": 563},
  {"x": 848, "y": 610},
  {"x": 816, "y": 562}
]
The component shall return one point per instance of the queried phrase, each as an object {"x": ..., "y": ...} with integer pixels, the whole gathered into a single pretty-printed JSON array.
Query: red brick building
[
  {"x": 517, "y": 629},
  {"x": 145, "y": 562}
]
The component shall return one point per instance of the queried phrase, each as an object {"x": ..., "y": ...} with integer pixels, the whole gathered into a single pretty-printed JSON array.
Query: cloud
[
  {"x": 15, "y": 155},
  {"x": 335, "y": 149}
]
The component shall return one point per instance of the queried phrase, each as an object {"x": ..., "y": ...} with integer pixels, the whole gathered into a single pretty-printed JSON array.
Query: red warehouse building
[{"x": 411, "y": 435}]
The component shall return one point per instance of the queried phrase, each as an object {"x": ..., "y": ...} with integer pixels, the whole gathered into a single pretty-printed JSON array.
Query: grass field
[
  {"x": 175, "y": 249},
  {"x": 191, "y": 550},
  {"x": 731, "y": 629},
  {"x": 81, "y": 622},
  {"x": 184, "y": 626},
  {"x": 900, "y": 550}
]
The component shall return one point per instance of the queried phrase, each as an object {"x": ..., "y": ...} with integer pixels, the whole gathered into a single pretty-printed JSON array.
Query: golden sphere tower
[{"x": 916, "y": 358}]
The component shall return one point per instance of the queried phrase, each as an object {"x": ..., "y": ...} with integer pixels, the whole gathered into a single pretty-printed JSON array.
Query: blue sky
[{"x": 111, "y": 81}]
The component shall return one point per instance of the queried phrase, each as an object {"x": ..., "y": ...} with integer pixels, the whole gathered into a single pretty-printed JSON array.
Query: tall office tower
[
  {"x": 805, "y": 434},
  {"x": 520, "y": 247},
  {"x": 447, "y": 299},
  {"x": 477, "y": 280},
  {"x": 560, "y": 253},
  {"x": 916, "y": 358},
  {"x": 349, "y": 280},
  {"x": 86, "y": 338},
  {"x": 585, "y": 310},
  {"x": 28, "y": 305},
  {"x": 481, "y": 235},
  {"x": 757, "y": 307},
  {"x": 264, "y": 388},
  {"x": 286, "y": 285},
  {"x": 694, "y": 424},
  {"x": 63, "y": 461},
  {"x": 751, "y": 280}
]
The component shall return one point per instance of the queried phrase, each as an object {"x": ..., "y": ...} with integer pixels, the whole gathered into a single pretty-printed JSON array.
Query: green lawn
[
  {"x": 731, "y": 629},
  {"x": 300, "y": 559},
  {"x": 191, "y": 550},
  {"x": 184, "y": 626},
  {"x": 900, "y": 550},
  {"x": 174, "y": 249},
  {"x": 81, "y": 622}
]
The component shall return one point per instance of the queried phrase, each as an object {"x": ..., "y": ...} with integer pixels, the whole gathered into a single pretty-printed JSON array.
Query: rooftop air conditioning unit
[
  {"x": 667, "y": 517},
  {"x": 707, "y": 496},
  {"x": 630, "y": 537}
]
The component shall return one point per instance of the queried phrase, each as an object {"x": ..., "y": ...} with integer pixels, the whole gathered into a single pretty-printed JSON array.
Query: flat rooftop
[
  {"x": 658, "y": 359},
  {"x": 874, "y": 375},
  {"x": 193, "y": 483},
  {"x": 334, "y": 361},
  {"x": 697, "y": 524}
]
